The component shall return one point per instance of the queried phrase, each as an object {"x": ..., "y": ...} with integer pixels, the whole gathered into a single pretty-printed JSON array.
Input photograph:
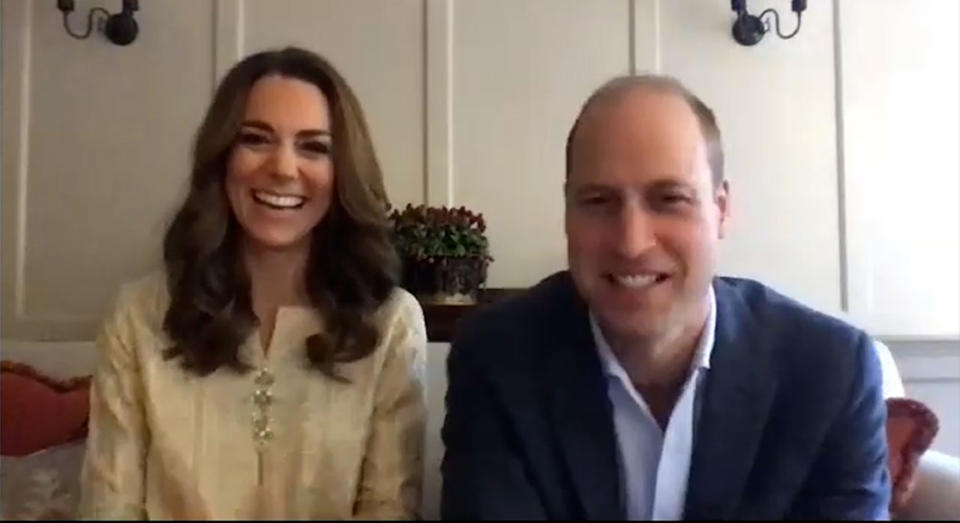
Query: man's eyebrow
[
  {"x": 660, "y": 184},
  {"x": 669, "y": 184},
  {"x": 590, "y": 187}
]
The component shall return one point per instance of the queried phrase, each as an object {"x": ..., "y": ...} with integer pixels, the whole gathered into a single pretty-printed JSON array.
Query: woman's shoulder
[
  {"x": 400, "y": 305},
  {"x": 400, "y": 315},
  {"x": 143, "y": 301}
]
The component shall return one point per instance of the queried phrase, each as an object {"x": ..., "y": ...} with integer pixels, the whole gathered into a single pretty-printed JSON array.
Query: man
[{"x": 638, "y": 385}]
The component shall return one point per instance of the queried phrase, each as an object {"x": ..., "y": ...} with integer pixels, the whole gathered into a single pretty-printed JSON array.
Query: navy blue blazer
[{"x": 792, "y": 421}]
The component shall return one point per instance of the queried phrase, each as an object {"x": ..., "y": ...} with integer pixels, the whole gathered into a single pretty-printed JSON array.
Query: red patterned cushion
[
  {"x": 911, "y": 426},
  {"x": 38, "y": 412}
]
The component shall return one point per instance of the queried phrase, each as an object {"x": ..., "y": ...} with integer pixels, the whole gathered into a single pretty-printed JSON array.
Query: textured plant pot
[
  {"x": 445, "y": 280},
  {"x": 442, "y": 298}
]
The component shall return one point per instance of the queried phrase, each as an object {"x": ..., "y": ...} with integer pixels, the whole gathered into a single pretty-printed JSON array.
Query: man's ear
[{"x": 722, "y": 200}]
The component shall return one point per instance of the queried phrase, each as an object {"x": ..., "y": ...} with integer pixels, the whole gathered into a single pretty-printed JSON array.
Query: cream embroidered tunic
[{"x": 280, "y": 441}]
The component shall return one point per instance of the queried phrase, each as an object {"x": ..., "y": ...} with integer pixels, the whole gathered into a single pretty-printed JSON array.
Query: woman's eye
[
  {"x": 252, "y": 139},
  {"x": 316, "y": 148}
]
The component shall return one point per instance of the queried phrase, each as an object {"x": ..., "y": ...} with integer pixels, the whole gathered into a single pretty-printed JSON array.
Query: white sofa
[{"x": 937, "y": 495}]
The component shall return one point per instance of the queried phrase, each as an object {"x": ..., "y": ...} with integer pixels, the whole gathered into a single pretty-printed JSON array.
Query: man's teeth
[
  {"x": 636, "y": 281},
  {"x": 277, "y": 200}
]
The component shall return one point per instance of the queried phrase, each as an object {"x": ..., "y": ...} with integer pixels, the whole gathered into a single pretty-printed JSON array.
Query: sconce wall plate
[
  {"x": 120, "y": 28},
  {"x": 749, "y": 29}
]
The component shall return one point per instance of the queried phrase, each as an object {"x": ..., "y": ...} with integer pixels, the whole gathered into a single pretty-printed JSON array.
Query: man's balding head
[{"x": 619, "y": 87}]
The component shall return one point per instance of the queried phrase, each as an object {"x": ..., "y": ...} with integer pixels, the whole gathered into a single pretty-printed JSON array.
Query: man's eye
[
  {"x": 675, "y": 198},
  {"x": 595, "y": 201}
]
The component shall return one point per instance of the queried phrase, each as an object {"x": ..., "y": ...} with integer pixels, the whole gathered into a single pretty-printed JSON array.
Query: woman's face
[{"x": 280, "y": 172}]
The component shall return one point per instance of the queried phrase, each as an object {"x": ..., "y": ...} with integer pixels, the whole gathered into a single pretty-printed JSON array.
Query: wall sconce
[
  {"x": 120, "y": 28},
  {"x": 749, "y": 29}
]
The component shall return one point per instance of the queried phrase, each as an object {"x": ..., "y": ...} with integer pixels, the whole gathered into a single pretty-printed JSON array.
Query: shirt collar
[{"x": 701, "y": 358}]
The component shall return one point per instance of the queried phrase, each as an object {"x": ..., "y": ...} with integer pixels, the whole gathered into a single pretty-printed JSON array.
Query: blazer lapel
[
  {"x": 582, "y": 412},
  {"x": 739, "y": 391}
]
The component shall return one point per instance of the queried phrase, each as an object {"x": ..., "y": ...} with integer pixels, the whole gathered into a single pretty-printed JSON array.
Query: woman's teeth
[{"x": 277, "y": 200}]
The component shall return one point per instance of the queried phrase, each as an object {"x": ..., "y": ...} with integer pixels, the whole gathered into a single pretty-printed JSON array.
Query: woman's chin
[{"x": 275, "y": 241}]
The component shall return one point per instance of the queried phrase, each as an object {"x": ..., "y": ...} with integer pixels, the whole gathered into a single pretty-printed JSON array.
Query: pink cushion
[
  {"x": 39, "y": 412},
  {"x": 911, "y": 426}
]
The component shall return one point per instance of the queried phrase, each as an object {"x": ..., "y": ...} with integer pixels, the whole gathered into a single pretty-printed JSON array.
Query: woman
[{"x": 275, "y": 368}]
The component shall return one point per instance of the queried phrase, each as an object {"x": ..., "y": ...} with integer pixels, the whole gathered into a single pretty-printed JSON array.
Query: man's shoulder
[
  {"x": 524, "y": 319},
  {"x": 767, "y": 304},
  {"x": 541, "y": 299},
  {"x": 786, "y": 324},
  {"x": 816, "y": 360}
]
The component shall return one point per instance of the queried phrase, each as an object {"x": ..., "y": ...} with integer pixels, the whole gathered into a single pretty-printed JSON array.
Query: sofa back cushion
[{"x": 39, "y": 412}]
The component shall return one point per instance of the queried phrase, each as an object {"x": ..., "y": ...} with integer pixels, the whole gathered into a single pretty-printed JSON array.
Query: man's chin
[{"x": 641, "y": 323}]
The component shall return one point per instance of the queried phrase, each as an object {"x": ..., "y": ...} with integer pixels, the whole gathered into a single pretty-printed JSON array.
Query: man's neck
[
  {"x": 659, "y": 366},
  {"x": 663, "y": 359}
]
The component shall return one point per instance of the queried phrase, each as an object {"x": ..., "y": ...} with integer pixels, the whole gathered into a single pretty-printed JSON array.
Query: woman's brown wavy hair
[{"x": 352, "y": 265}]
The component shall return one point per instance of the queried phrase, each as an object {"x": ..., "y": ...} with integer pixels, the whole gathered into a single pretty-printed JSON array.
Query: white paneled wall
[
  {"x": 841, "y": 143},
  {"x": 95, "y": 141},
  {"x": 901, "y": 117},
  {"x": 775, "y": 107},
  {"x": 521, "y": 71}
]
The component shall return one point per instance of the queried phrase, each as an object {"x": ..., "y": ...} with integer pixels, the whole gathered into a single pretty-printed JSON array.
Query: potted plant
[{"x": 445, "y": 252}]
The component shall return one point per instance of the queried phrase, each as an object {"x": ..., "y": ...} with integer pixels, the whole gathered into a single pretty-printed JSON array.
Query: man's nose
[{"x": 635, "y": 230}]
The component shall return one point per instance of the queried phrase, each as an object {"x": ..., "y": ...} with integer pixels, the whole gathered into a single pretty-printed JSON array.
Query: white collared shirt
[{"x": 654, "y": 465}]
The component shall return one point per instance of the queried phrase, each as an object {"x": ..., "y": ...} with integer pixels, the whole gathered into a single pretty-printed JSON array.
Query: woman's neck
[{"x": 277, "y": 277}]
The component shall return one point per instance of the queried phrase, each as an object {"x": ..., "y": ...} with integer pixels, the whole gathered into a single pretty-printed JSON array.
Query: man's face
[{"x": 643, "y": 219}]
